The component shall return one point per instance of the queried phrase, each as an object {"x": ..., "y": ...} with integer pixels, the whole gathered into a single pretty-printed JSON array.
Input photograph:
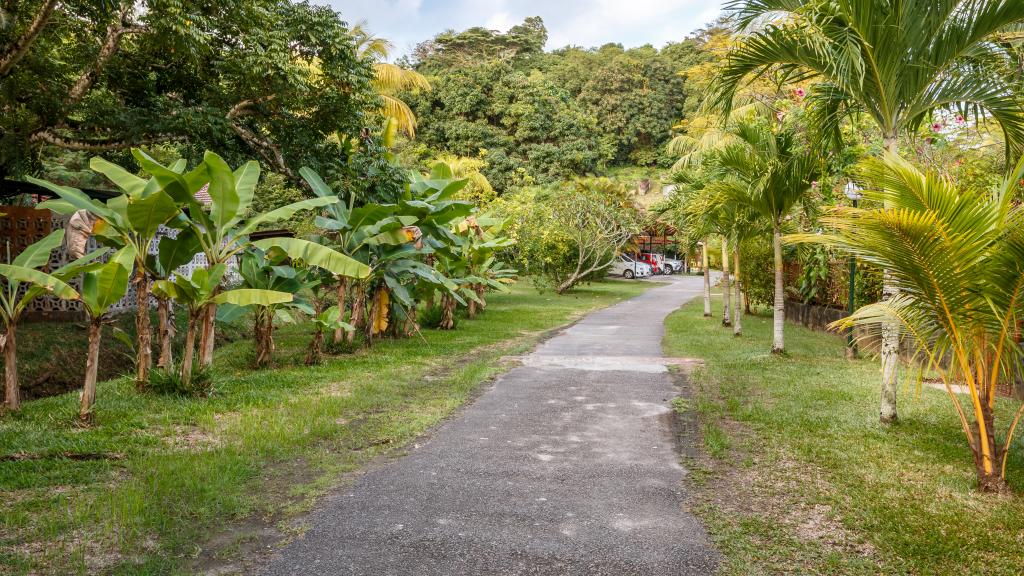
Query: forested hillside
[{"x": 541, "y": 117}]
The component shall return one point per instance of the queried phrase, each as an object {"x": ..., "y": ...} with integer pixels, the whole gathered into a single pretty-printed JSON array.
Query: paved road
[{"x": 566, "y": 466}]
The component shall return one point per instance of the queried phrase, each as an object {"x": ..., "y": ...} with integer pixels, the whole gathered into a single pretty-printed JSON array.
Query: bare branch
[
  {"x": 49, "y": 137},
  {"x": 16, "y": 51},
  {"x": 111, "y": 43}
]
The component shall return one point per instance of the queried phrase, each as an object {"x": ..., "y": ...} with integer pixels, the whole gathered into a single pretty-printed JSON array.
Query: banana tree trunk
[
  {"x": 737, "y": 309},
  {"x": 92, "y": 364},
  {"x": 12, "y": 391},
  {"x": 410, "y": 325},
  {"x": 447, "y": 312},
  {"x": 358, "y": 310},
  {"x": 887, "y": 413},
  {"x": 208, "y": 335},
  {"x": 339, "y": 333},
  {"x": 190, "y": 346},
  {"x": 726, "y": 287},
  {"x": 143, "y": 329},
  {"x": 165, "y": 333},
  {"x": 471, "y": 308},
  {"x": 481, "y": 293},
  {"x": 707, "y": 278},
  {"x": 779, "y": 308},
  {"x": 263, "y": 334},
  {"x": 314, "y": 354}
]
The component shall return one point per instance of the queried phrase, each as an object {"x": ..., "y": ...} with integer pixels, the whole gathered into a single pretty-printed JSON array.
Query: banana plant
[
  {"x": 222, "y": 227},
  {"x": 323, "y": 322},
  {"x": 24, "y": 273},
  {"x": 262, "y": 272},
  {"x": 480, "y": 237},
  {"x": 102, "y": 287},
  {"x": 373, "y": 234},
  {"x": 198, "y": 291},
  {"x": 131, "y": 219}
]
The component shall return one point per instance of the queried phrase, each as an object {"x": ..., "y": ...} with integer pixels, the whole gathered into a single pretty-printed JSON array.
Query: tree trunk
[
  {"x": 887, "y": 413},
  {"x": 481, "y": 293},
  {"x": 207, "y": 337},
  {"x": 707, "y": 279},
  {"x": 471, "y": 308},
  {"x": 358, "y": 310},
  {"x": 726, "y": 289},
  {"x": 165, "y": 333},
  {"x": 339, "y": 333},
  {"x": 987, "y": 456},
  {"x": 190, "y": 346},
  {"x": 91, "y": 369},
  {"x": 263, "y": 334},
  {"x": 315, "y": 353},
  {"x": 410, "y": 321},
  {"x": 447, "y": 312},
  {"x": 12, "y": 391},
  {"x": 737, "y": 309},
  {"x": 143, "y": 330},
  {"x": 779, "y": 308}
]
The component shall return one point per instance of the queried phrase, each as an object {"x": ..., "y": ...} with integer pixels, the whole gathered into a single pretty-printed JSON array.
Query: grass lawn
[
  {"x": 798, "y": 476},
  {"x": 163, "y": 475}
]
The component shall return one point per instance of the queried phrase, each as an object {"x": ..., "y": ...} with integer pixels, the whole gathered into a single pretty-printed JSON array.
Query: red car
[{"x": 656, "y": 263}]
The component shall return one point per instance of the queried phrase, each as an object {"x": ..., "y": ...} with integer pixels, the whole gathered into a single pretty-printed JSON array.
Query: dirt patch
[{"x": 191, "y": 439}]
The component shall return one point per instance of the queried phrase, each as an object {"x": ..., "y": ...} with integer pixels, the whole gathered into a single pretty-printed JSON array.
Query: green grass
[
  {"x": 799, "y": 476},
  {"x": 173, "y": 470}
]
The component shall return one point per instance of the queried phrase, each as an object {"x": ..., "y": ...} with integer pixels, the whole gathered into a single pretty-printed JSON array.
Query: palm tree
[
  {"x": 957, "y": 257},
  {"x": 895, "y": 61},
  {"x": 766, "y": 170},
  {"x": 389, "y": 79}
]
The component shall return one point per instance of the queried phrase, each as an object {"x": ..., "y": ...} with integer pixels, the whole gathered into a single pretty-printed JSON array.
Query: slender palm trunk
[
  {"x": 190, "y": 346},
  {"x": 92, "y": 364},
  {"x": 165, "y": 333},
  {"x": 890, "y": 338},
  {"x": 143, "y": 329},
  {"x": 726, "y": 286},
  {"x": 12, "y": 391},
  {"x": 779, "y": 308},
  {"x": 339, "y": 333},
  {"x": 707, "y": 278},
  {"x": 471, "y": 308},
  {"x": 737, "y": 309}
]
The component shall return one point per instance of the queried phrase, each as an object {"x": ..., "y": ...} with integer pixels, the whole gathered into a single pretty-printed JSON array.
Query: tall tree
[
  {"x": 236, "y": 76},
  {"x": 895, "y": 61}
]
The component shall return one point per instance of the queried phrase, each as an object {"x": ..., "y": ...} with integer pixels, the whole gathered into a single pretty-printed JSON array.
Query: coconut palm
[
  {"x": 957, "y": 257},
  {"x": 389, "y": 79},
  {"x": 894, "y": 61},
  {"x": 765, "y": 169}
]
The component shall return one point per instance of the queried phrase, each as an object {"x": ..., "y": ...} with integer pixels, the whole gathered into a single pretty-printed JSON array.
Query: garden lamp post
[{"x": 853, "y": 192}]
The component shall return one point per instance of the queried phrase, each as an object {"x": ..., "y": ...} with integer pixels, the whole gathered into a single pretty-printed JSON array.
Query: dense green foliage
[
  {"x": 231, "y": 76},
  {"x": 539, "y": 117}
]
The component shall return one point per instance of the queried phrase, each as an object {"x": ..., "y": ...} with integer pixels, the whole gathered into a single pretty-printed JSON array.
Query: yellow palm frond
[
  {"x": 401, "y": 113},
  {"x": 392, "y": 78}
]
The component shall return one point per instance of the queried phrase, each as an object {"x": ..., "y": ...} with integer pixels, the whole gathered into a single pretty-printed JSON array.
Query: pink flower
[
  {"x": 936, "y": 127},
  {"x": 814, "y": 185},
  {"x": 799, "y": 93},
  {"x": 960, "y": 119},
  {"x": 780, "y": 115}
]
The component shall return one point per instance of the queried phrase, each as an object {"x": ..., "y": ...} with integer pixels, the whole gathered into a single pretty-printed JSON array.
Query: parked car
[
  {"x": 628, "y": 268},
  {"x": 673, "y": 266},
  {"x": 655, "y": 261}
]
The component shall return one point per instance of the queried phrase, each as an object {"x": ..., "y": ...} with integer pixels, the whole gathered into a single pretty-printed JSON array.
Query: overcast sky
[{"x": 584, "y": 23}]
